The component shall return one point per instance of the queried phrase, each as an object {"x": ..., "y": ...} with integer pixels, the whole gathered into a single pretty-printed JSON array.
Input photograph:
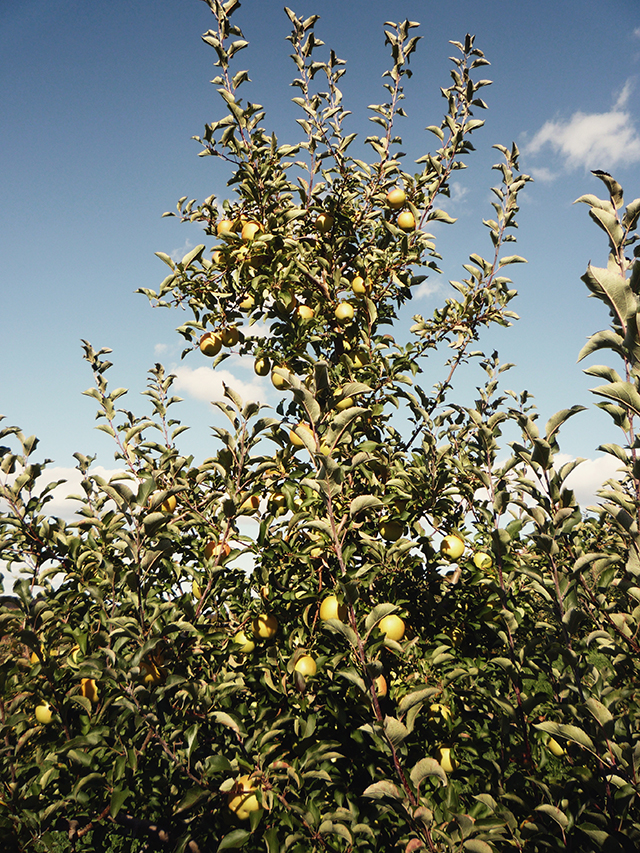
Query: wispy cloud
[
  {"x": 593, "y": 140},
  {"x": 457, "y": 191},
  {"x": 178, "y": 254},
  {"x": 428, "y": 288},
  {"x": 543, "y": 174}
]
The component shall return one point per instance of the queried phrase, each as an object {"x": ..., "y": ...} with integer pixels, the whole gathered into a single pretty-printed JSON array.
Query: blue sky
[{"x": 100, "y": 101}]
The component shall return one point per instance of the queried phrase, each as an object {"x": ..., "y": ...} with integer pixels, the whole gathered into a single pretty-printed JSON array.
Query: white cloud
[
  {"x": 159, "y": 349},
  {"x": 206, "y": 384},
  {"x": 60, "y": 506},
  {"x": 636, "y": 32},
  {"x": 588, "y": 477},
  {"x": 593, "y": 140}
]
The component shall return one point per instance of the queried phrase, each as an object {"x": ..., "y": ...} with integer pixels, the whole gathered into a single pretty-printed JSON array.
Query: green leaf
[
  {"x": 615, "y": 190},
  {"x": 560, "y": 818},
  {"x": 570, "y": 733},
  {"x": 601, "y": 713},
  {"x": 555, "y": 421},
  {"x": 380, "y": 790},
  {"x": 440, "y": 216},
  {"x": 226, "y": 720},
  {"x": 363, "y": 502},
  {"x": 234, "y": 839},
  {"x": 607, "y": 339},
  {"x": 613, "y": 289},
  {"x": 396, "y": 731},
  {"x": 191, "y": 799},
  {"x": 476, "y": 845},
  {"x": 416, "y": 698},
  {"x": 378, "y": 612},
  {"x": 623, "y": 393},
  {"x": 427, "y": 767},
  {"x": 166, "y": 258},
  {"x": 117, "y": 800},
  {"x": 192, "y": 255}
]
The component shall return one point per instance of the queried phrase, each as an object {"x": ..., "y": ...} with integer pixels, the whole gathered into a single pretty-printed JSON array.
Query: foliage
[{"x": 507, "y": 715}]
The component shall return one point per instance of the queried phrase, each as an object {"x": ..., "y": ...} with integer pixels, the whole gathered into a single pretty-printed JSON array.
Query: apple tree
[{"x": 362, "y": 622}]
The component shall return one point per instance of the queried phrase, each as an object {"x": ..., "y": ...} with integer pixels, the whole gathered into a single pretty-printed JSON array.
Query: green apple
[{"x": 391, "y": 529}]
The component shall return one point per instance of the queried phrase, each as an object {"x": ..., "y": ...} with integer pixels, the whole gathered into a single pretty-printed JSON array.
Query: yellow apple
[
  {"x": 406, "y": 221},
  {"x": 196, "y": 590},
  {"x": 391, "y": 529},
  {"x": 278, "y": 381},
  {"x": 152, "y": 674},
  {"x": 446, "y": 759},
  {"x": 305, "y": 312},
  {"x": 360, "y": 286},
  {"x": 452, "y": 547},
  {"x": 360, "y": 358},
  {"x": 258, "y": 259},
  {"x": 306, "y": 666},
  {"x": 482, "y": 560},
  {"x": 331, "y": 608},
  {"x": 250, "y": 229},
  {"x": 554, "y": 748},
  {"x": 345, "y": 403},
  {"x": 262, "y": 366},
  {"x": 294, "y": 434},
  {"x": 34, "y": 659},
  {"x": 324, "y": 223},
  {"x": 265, "y": 625},
  {"x": 89, "y": 689},
  {"x": 169, "y": 504},
  {"x": 344, "y": 311},
  {"x": 439, "y": 712},
  {"x": 217, "y": 257},
  {"x": 230, "y": 336},
  {"x": 396, "y": 198},
  {"x": 381, "y": 686},
  {"x": 242, "y": 799},
  {"x": 278, "y": 501},
  {"x": 246, "y": 644},
  {"x": 251, "y": 504},
  {"x": 225, "y": 227},
  {"x": 392, "y": 627},
  {"x": 216, "y": 549},
  {"x": 247, "y": 303},
  {"x": 44, "y": 713},
  {"x": 210, "y": 344}
]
